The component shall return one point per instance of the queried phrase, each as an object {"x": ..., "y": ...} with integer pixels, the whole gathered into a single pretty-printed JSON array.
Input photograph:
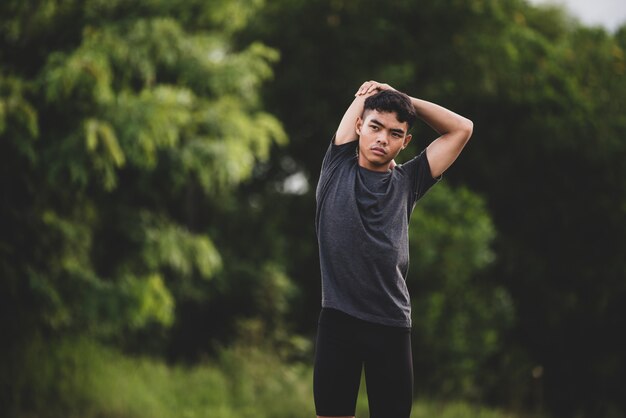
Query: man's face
[{"x": 381, "y": 138}]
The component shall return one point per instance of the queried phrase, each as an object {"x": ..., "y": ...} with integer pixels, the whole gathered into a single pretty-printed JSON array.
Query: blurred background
[{"x": 158, "y": 165}]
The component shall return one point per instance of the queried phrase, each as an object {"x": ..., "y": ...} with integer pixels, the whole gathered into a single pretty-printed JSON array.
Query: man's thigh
[
  {"x": 337, "y": 371},
  {"x": 389, "y": 375}
]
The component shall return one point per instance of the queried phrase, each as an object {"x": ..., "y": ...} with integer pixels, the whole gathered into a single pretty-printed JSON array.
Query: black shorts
[{"x": 344, "y": 346}]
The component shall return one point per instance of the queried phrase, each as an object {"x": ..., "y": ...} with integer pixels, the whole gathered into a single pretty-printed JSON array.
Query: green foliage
[
  {"x": 546, "y": 96},
  {"x": 143, "y": 190},
  {"x": 148, "y": 86},
  {"x": 78, "y": 378},
  {"x": 121, "y": 132},
  {"x": 168, "y": 245},
  {"x": 18, "y": 115},
  {"x": 457, "y": 409},
  {"x": 450, "y": 233},
  {"x": 459, "y": 320},
  {"x": 112, "y": 127}
]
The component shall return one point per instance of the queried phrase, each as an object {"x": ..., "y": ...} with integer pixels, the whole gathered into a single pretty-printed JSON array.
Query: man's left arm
[
  {"x": 454, "y": 131},
  {"x": 346, "y": 132}
]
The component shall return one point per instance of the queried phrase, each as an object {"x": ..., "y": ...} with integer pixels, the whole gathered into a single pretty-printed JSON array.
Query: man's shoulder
[
  {"x": 336, "y": 154},
  {"x": 343, "y": 146}
]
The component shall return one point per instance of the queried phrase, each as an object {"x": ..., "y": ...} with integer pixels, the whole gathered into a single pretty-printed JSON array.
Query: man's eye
[{"x": 374, "y": 127}]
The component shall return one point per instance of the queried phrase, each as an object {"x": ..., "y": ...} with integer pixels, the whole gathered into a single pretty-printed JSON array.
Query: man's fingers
[
  {"x": 364, "y": 88},
  {"x": 371, "y": 87},
  {"x": 367, "y": 87}
]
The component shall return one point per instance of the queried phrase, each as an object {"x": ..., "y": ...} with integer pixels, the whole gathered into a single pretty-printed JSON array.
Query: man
[{"x": 364, "y": 202}]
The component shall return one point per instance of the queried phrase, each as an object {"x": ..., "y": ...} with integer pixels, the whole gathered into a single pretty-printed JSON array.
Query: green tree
[
  {"x": 459, "y": 315},
  {"x": 459, "y": 321},
  {"x": 124, "y": 127},
  {"x": 546, "y": 96}
]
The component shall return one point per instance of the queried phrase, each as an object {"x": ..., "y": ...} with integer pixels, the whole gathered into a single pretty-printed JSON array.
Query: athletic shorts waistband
[{"x": 337, "y": 317}]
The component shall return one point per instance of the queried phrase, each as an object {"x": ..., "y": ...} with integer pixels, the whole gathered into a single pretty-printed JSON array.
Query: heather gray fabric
[{"x": 362, "y": 221}]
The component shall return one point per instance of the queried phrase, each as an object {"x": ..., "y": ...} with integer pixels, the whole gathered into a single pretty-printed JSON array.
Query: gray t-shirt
[{"x": 362, "y": 224}]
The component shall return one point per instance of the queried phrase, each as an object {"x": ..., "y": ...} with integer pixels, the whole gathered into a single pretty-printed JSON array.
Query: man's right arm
[{"x": 346, "y": 132}]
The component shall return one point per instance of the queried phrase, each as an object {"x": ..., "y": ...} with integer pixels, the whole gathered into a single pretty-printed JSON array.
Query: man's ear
[
  {"x": 358, "y": 126},
  {"x": 407, "y": 139}
]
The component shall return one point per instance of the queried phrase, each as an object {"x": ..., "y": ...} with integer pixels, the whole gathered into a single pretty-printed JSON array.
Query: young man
[{"x": 364, "y": 202}]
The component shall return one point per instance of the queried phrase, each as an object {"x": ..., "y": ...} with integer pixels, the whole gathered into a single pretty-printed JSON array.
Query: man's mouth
[{"x": 378, "y": 150}]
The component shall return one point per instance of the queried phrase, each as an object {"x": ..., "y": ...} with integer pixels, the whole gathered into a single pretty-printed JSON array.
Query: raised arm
[
  {"x": 454, "y": 131},
  {"x": 346, "y": 132}
]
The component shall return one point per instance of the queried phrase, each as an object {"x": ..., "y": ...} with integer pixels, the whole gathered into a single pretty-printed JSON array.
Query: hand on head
[{"x": 370, "y": 87}]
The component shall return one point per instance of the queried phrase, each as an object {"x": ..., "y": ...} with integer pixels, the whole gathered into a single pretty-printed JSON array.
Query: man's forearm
[
  {"x": 454, "y": 131},
  {"x": 346, "y": 130},
  {"x": 439, "y": 118}
]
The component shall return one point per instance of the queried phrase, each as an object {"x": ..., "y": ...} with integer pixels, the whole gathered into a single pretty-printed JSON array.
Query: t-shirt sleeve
[
  {"x": 335, "y": 155},
  {"x": 418, "y": 169}
]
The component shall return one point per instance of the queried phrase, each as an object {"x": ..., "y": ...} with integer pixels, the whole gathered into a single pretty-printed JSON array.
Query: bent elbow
[{"x": 468, "y": 128}]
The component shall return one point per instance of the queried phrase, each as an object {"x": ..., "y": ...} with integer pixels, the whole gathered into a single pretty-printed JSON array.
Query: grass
[{"x": 83, "y": 379}]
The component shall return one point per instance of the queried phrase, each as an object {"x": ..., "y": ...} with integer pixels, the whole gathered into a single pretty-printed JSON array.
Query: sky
[{"x": 608, "y": 13}]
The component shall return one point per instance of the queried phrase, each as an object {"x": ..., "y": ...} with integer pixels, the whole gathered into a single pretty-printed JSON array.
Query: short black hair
[{"x": 392, "y": 101}]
